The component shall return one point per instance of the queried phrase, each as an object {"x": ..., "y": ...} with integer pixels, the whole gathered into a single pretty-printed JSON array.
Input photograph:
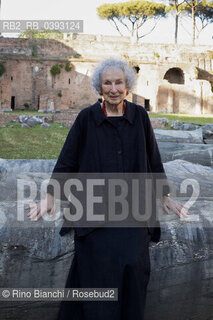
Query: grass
[
  {"x": 32, "y": 143},
  {"x": 46, "y": 143},
  {"x": 28, "y": 112}
]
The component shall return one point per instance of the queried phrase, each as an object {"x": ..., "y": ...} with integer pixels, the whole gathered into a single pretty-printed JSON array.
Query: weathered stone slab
[
  {"x": 181, "y": 292},
  {"x": 195, "y": 153},
  {"x": 178, "y": 125},
  {"x": 208, "y": 141},
  {"x": 194, "y": 136},
  {"x": 159, "y": 122},
  {"x": 182, "y": 262},
  {"x": 25, "y": 165},
  {"x": 208, "y": 131},
  {"x": 189, "y": 126},
  {"x": 32, "y": 121}
]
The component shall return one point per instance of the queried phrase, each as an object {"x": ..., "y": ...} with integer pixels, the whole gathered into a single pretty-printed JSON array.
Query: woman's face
[{"x": 113, "y": 85}]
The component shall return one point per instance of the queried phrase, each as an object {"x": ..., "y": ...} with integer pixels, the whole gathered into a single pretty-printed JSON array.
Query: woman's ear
[
  {"x": 100, "y": 93},
  {"x": 127, "y": 92}
]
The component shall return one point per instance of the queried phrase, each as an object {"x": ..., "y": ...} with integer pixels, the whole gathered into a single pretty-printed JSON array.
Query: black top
[
  {"x": 116, "y": 120},
  {"x": 97, "y": 143},
  {"x": 93, "y": 144}
]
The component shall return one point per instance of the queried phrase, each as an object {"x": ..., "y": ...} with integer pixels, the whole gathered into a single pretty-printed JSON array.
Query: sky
[{"x": 86, "y": 10}]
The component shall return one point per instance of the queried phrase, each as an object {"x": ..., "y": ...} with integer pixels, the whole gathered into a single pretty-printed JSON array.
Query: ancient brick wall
[{"x": 28, "y": 78}]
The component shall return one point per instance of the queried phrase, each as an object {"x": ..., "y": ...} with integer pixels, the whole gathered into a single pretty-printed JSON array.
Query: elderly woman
[{"x": 113, "y": 136}]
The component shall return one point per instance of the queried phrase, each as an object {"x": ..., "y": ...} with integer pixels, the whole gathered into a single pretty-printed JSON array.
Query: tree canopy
[
  {"x": 203, "y": 13},
  {"x": 132, "y": 15}
]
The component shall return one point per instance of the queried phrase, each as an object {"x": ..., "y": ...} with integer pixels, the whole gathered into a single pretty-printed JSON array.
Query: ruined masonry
[{"x": 170, "y": 78}]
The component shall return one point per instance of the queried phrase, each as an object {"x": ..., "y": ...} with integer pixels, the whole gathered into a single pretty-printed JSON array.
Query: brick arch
[{"x": 174, "y": 75}]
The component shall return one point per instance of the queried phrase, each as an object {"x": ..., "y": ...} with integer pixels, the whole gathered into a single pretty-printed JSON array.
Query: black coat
[
  {"x": 95, "y": 145},
  {"x": 110, "y": 257}
]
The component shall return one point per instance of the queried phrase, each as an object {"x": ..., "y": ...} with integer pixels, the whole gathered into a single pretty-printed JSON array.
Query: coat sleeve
[
  {"x": 68, "y": 160},
  {"x": 153, "y": 154}
]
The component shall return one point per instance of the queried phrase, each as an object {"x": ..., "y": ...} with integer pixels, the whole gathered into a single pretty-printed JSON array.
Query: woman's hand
[
  {"x": 39, "y": 209},
  {"x": 175, "y": 206}
]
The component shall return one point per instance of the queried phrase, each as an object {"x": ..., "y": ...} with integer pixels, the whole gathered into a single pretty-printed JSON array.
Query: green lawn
[
  {"x": 46, "y": 143},
  {"x": 28, "y": 112},
  {"x": 32, "y": 143},
  {"x": 205, "y": 118}
]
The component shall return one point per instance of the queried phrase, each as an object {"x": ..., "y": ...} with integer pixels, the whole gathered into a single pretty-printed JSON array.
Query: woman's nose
[{"x": 113, "y": 87}]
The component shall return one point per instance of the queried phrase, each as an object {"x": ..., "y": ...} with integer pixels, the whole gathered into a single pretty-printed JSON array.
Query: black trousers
[{"x": 110, "y": 258}]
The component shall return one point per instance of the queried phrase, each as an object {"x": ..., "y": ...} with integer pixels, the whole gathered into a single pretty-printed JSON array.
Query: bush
[
  {"x": 68, "y": 67},
  {"x": 56, "y": 69}
]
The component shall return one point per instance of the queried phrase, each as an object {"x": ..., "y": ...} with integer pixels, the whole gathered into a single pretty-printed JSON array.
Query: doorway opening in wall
[
  {"x": 38, "y": 104},
  {"x": 147, "y": 104},
  {"x": 12, "y": 104},
  {"x": 174, "y": 75}
]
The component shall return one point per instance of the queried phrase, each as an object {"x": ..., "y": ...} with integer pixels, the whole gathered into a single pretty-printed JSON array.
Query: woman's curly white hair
[{"x": 129, "y": 73}]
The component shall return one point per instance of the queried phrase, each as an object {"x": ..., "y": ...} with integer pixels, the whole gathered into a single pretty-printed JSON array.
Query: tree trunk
[
  {"x": 134, "y": 34},
  {"x": 176, "y": 27}
]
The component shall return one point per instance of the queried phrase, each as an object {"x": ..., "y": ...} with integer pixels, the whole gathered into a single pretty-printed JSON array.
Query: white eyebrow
[{"x": 114, "y": 80}]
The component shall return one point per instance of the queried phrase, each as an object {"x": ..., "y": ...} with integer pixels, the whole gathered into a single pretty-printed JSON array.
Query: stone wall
[
  {"x": 28, "y": 78},
  {"x": 5, "y": 117},
  {"x": 98, "y": 47},
  {"x": 5, "y": 93},
  {"x": 27, "y": 48},
  {"x": 175, "y": 98},
  {"x": 31, "y": 82}
]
